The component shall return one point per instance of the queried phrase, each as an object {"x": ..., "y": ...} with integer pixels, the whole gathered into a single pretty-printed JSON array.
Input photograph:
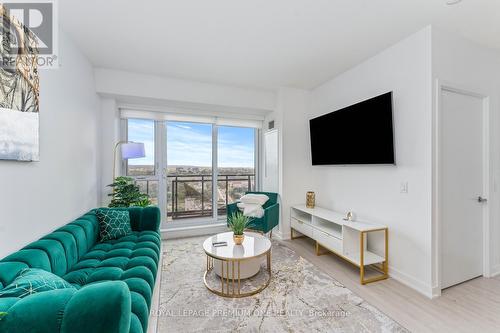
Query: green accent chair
[
  {"x": 271, "y": 213},
  {"x": 113, "y": 280}
]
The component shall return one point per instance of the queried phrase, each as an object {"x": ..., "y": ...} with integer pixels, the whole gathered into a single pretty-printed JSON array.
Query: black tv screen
[{"x": 358, "y": 134}]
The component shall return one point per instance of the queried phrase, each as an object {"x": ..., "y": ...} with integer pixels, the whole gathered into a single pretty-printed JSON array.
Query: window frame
[{"x": 160, "y": 171}]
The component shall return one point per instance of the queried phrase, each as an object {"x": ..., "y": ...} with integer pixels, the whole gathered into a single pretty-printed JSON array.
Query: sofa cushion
[
  {"x": 9, "y": 271},
  {"x": 111, "y": 260},
  {"x": 132, "y": 259},
  {"x": 31, "y": 281},
  {"x": 78, "y": 234},
  {"x": 90, "y": 225},
  {"x": 68, "y": 242},
  {"x": 55, "y": 252},
  {"x": 113, "y": 223},
  {"x": 34, "y": 258},
  {"x": 7, "y": 302}
]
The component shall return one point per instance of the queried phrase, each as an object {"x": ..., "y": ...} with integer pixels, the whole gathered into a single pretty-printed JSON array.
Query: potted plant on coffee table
[{"x": 238, "y": 223}]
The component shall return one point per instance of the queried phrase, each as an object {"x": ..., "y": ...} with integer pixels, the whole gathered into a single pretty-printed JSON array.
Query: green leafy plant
[
  {"x": 238, "y": 223},
  {"x": 2, "y": 314},
  {"x": 126, "y": 193}
]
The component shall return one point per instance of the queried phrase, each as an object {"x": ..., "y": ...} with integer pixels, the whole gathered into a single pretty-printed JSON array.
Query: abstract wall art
[{"x": 19, "y": 91}]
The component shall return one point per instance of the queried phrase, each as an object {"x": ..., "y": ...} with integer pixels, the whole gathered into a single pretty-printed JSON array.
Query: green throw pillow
[
  {"x": 113, "y": 223},
  {"x": 33, "y": 280}
]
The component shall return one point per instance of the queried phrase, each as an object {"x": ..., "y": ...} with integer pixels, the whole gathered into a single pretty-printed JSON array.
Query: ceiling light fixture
[{"x": 453, "y": 2}]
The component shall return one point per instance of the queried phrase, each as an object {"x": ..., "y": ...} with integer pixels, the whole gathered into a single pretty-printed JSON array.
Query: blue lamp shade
[{"x": 133, "y": 150}]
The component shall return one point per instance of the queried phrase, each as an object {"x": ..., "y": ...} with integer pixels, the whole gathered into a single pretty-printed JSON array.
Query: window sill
[{"x": 191, "y": 231}]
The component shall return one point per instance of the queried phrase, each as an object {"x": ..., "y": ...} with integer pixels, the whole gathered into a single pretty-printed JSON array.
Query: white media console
[{"x": 347, "y": 239}]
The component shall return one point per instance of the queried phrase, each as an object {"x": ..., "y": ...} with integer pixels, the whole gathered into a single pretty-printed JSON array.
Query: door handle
[{"x": 481, "y": 199}]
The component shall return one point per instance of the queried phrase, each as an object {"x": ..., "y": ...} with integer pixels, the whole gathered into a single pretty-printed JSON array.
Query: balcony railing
[{"x": 190, "y": 196}]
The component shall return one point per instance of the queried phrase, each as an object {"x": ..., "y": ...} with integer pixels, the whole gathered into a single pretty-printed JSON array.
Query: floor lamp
[{"x": 129, "y": 150}]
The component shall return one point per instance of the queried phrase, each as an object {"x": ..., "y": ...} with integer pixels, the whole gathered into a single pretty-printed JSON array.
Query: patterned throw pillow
[
  {"x": 33, "y": 280},
  {"x": 113, "y": 223}
]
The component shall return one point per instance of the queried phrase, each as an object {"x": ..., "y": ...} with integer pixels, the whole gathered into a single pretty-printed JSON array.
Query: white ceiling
[{"x": 260, "y": 43}]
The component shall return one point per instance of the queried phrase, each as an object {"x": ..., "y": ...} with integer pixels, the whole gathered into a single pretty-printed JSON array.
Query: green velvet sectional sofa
[{"x": 113, "y": 280}]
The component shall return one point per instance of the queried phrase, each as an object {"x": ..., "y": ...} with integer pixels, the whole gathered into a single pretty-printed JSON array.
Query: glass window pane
[
  {"x": 142, "y": 130},
  {"x": 236, "y": 164},
  {"x": 189, "y": 172},
  {"x": 149, "y": 187}
]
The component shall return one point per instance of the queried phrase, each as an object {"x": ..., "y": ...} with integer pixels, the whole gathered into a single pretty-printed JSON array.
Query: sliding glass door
[
  {"x": 143, "y": 169},
  {"x": 191, "y": 167},
  {"x": 189, "y": 171},
  {"x": 235, "y": 164}
]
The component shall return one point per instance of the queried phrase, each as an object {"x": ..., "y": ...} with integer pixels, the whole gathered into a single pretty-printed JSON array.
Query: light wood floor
[{"x": 472, "y": 306}]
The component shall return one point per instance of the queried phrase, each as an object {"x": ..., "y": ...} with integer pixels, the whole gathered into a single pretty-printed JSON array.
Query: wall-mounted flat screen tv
[{"x": 358, "y": 134}]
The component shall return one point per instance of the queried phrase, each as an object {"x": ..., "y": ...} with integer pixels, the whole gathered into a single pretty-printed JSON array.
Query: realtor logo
[{"x": 29, "y": 28}]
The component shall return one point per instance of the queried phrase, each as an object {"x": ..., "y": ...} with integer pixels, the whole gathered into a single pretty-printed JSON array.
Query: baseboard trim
[
  {"x": 495, "y": 271},
  {"x": 436, "y": 292},
  {"x": 193, "y": 231},
  {"x": 277, "y": 234},
  {"x": 411, "y": 282},
  {"x": 285, "y": 235}
]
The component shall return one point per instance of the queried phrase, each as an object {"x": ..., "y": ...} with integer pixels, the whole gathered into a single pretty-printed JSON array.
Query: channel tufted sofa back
[{"x": 56, "y": 252}]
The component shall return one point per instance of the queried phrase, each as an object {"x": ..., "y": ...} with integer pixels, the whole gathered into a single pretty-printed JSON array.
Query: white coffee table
[{"x": 233, "y": 263}]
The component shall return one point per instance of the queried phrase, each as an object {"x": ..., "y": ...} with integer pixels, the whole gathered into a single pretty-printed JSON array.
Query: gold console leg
[
  {"x": 386, "y": 262},
  {"x": 318, "y": 253},
  {"x": 384, "y": 269},
  {"x": 295, "y": 237},
  {"x": 362, "y": 257}
]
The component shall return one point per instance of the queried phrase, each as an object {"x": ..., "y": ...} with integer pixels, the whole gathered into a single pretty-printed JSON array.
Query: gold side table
[{"x": 233, "y": 263}]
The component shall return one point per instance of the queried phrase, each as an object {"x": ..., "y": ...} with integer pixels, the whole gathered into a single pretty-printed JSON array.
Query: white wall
[
  {"x": 291, "y": 104},
  {"x": 110, "y": 134},
  {"x": 373, "y": 192},
  {"x": 291, "y": 119},
  {"x": 121, "y": 83},
  {"x": 465, "y": 65},
  {"x": 37, "y": 197}
]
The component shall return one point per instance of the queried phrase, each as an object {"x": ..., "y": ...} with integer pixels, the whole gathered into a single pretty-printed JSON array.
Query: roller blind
[{"x": 253, "y": 122}]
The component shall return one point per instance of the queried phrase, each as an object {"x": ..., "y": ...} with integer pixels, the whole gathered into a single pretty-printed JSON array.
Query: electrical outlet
[{"x": 403, "y": 187}]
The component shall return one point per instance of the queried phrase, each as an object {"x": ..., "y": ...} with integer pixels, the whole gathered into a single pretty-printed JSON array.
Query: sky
[{"x": 191, "y": 144}]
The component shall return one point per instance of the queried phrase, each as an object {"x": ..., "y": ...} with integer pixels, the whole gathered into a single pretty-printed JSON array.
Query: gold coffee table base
[{"x": 231, "y": 286}]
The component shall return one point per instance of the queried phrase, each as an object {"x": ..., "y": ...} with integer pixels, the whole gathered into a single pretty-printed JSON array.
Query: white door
[{"x": 461, "y": 187}]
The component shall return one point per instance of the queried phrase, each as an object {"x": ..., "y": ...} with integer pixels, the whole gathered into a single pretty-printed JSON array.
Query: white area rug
[{"x": 300, "y": 298}]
